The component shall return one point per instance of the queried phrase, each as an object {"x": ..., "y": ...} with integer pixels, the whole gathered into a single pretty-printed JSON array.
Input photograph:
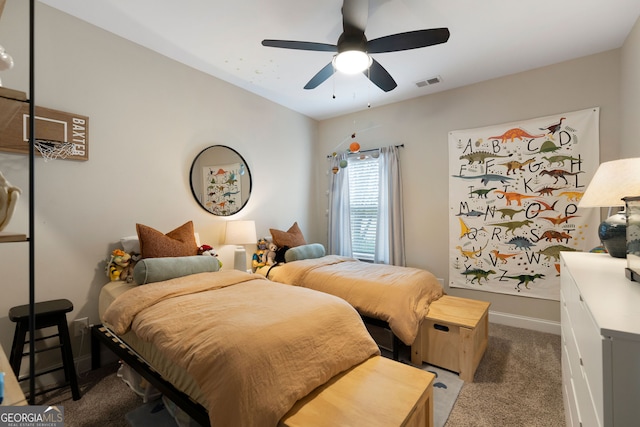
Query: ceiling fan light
[{"x": 351, "y": 61}]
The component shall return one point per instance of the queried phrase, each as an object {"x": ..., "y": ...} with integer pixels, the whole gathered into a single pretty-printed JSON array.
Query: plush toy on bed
[
  {"x": 260, "y": 256},
  {"x": 207, "y": 250},
  {"x": 271, "y": 254},
  {"x": 280, "y": 254},
  {"x": 127, "y": 272},
  {"x": 120, "y": 265}
]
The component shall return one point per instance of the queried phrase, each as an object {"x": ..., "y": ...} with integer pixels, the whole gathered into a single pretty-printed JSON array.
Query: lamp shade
[
  {"x": 240, "y": 233},
  {"x": 612, "y": 181}
]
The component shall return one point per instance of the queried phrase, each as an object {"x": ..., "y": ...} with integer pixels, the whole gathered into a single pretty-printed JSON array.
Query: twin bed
[
  {"x": 396, "y": 298},
  {"x": 233, "y": 348}
]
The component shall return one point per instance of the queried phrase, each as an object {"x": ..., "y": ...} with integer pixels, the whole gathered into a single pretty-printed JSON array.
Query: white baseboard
[{"x": 525, "y": 322}]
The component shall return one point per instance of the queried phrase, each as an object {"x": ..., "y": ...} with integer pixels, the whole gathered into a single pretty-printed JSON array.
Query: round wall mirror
[{"x": 220, "y": 180}]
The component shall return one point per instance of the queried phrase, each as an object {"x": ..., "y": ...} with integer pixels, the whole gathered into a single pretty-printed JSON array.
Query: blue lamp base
[{"x": 613, "y": 235}]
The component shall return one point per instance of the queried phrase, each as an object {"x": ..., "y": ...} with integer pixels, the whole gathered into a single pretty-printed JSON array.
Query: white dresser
[{"x": 600, "y": 341}]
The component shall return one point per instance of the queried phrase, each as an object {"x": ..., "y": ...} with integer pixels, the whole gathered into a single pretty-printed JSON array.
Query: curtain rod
[{"x": 369, "y": 150}]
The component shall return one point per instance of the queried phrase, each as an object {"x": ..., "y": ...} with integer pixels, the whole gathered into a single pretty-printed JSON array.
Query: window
[{"x": 363, "y": 197}]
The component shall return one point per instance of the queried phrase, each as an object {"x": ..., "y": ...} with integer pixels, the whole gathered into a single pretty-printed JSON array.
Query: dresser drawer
[
  {"x": 583, "y": 343},
  {"x": 589, "y": 343},
  {"x": 570, "y": 349},
  {"x": 568, "y": 392}
]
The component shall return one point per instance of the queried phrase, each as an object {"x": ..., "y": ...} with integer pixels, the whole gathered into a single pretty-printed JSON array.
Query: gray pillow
[
  {"x": 150, "y": 270},
  {"x": 313, "y": 250}
]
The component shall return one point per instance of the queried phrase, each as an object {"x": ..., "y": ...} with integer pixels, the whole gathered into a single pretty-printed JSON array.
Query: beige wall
[
  {"x": 423, "y": 124},
  {"x": 630, "y": 99},
  {"x": 149, "y": 118}
]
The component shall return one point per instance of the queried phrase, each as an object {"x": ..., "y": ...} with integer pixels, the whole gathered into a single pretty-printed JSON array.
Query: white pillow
[{"x": 130, "y": 244}]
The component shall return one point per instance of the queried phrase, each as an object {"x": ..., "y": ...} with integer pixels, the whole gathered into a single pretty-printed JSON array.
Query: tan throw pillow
[
  {"x": 290, "y": 238},
  {"x": 179, "y": 242}
]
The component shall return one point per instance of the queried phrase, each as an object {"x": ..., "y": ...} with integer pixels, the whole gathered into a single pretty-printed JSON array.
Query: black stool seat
[{"x": 47, "y": 314}]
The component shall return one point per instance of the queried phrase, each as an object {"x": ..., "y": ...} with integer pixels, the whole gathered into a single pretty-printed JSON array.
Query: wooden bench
[
  {"x": 378, "y": 392},
  {"x": 454, "y": 335}
]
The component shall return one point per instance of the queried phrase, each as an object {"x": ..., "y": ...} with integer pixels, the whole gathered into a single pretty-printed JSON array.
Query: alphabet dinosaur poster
[
  {"x": 222, "y": 192},
  {"x": 513, "y": 195}
]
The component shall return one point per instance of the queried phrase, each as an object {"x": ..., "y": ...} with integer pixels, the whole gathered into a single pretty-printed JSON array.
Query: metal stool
[{"x": 47, "y": 314}]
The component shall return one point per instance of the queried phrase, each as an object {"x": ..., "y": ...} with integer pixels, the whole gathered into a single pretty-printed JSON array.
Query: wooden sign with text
[{"x": 51, "y": 125}]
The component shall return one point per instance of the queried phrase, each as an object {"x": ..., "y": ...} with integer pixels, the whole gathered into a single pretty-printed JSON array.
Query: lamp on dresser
[
  {"x": 632, "y": 205},
  {"x": 240, "y": 233},
  {"x": 612, "y": 182}
]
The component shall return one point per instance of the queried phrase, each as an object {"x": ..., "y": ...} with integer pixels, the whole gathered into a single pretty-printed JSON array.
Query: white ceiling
[{"x": 489, "y": 39}]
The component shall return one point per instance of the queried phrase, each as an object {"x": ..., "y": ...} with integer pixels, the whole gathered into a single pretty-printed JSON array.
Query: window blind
[{"x": 363, "y": 197}]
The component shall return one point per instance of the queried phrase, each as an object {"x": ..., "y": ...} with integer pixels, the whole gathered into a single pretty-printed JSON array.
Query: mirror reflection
[{"x": 220, "y": 180}]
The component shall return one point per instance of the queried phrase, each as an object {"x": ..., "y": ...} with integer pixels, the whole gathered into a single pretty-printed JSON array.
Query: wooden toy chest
[
  {"x": 454, "y": 335},
  {"x": 377, "y": 393}
]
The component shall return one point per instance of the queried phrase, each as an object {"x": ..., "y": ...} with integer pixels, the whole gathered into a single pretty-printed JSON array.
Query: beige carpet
[
  {"x": 518, "y": 383},
  {"x": 105, "y": 400}
]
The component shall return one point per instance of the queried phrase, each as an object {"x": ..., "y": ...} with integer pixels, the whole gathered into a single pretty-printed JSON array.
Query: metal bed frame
[{"x": 101, "y": 334}]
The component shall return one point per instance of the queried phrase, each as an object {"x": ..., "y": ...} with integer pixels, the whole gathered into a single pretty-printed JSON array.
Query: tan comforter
[
  {"x": 254, "y": 347},
  {"x": 398, "y": 295}
]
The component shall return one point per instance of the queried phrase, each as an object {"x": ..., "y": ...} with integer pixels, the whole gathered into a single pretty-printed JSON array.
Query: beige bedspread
[
  {"x": 254, "y": 347},
  {"x": 398, "y": 295}
]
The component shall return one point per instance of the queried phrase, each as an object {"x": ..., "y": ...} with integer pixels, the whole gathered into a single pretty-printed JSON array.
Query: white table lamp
[
  {"x": 240, "y": 233},
  {"x": 612, "y": 181}
]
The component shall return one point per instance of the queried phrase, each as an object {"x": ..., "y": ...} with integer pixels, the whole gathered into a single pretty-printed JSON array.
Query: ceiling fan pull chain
[
  {"x": 333, "y": 80},
  {"x": 369, "y": 87}
]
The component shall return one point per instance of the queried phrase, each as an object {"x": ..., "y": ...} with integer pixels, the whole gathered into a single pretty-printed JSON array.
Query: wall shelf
[{"x": 12, "y": 237}]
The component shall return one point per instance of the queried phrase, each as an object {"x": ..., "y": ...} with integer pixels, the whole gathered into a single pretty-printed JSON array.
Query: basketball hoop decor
[
  {"x": 59, "y": 135},
  {"x": 52, "y": 150}
]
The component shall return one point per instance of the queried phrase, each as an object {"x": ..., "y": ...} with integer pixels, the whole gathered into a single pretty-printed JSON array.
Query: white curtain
[
  {"x": 390, "y": 231},
  {"x": 339, "y": 241}
]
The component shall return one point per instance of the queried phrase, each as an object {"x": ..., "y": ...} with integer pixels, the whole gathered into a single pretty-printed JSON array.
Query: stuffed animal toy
[
  {"x": 271, "y": 254},
  {"x": 118, "y": 263},
  {"x": 259, "y": 258},
  {"x": 280, "y": 254},
  {"x": 127, "y": 272},
  {"x": 207, "y": 250}
]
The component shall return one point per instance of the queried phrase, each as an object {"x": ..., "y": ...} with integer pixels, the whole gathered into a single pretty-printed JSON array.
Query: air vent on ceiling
[{"x": 429, "y": 81}]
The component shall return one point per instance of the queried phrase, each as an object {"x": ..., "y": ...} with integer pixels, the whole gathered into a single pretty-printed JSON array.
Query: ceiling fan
[{"x": 354, "y": 48}]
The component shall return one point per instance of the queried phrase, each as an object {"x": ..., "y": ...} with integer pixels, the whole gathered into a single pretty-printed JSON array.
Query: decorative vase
[
  {"x": 613, "y": 235},
  {"x": 8, "y": 198}
]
